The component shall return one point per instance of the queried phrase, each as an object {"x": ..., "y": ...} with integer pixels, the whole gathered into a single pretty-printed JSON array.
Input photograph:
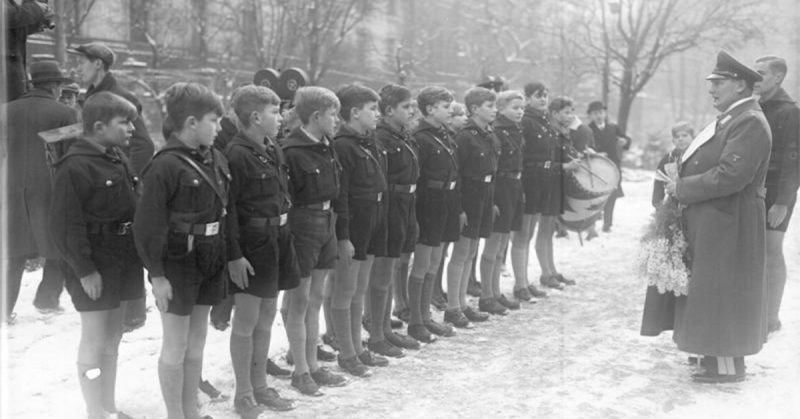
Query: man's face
[
  {"x": 514, "y": 110},
  {"x": 598, "y": 116},
  {"x": 269, "y": 119},
  {"x": 772, "y": 80},
  {"x": 206, "y": 129},
  {"x": 116, "y": 133},
  {"x": 327, "y": 121},
  {"x": 539, "y": 100},
  {"x": 724, "y": 92},
  {"x": 565, "y": 116},
  {"x": 486, "y": 112},
  {"x": 88, "y": 69},
  {"x": 70, "y": 99}
]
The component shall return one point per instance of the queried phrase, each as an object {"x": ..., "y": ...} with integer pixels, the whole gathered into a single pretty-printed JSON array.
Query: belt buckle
[
  {"x": 326, "y": 205},
  {"x": 380, "y": 196},
  {"x": 451, "y": 185},
  {"x": 487, "y": 179},
  {"x": 412, "y": 188},
  {"x": 284, "y": 219},
  {"x": 212, "y": 229},
  {"x": 124, "y": 228}
]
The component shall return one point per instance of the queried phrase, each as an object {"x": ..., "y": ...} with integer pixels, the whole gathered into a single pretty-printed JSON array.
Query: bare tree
[{"x": 630, "y": 39}]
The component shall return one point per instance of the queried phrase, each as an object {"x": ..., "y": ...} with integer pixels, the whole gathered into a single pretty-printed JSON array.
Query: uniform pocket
[
  {"x": 189, "y": 196},
  {"x": 261, "y": 183},
  {"x": 109, "y": 190}
]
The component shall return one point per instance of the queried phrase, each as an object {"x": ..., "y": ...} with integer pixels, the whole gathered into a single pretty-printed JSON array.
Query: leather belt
[
  {"x": 510, "y": 175},
  {"x": 403, "y": 188},
  {"x": 374, "y": 197},
  {"x": 322, "y": 206},
  {"x": 207, "y": 229},
  {"x": 119, "y": 229},
  {"x": 261, "y": 222},
  {"x": 440, "y": 184}
]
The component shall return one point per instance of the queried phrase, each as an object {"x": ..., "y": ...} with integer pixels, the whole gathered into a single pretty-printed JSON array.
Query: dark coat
[
  {"x": 21, "y": 21},
  {"x": 783, "y": 175},
  {"x": 29, "y": 175},
  {"x": 606, "y": 141},
  {"x": 722, "y": 184}
]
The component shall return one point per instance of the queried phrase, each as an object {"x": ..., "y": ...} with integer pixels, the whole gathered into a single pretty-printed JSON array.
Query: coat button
[
  {"x": 109, "y": 182},
  {"x": 195, "y": 182},
  {"x": 263, "y": 176}
]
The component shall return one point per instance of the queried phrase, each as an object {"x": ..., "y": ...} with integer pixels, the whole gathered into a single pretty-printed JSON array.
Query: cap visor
[{"x": 714, "y": 76}]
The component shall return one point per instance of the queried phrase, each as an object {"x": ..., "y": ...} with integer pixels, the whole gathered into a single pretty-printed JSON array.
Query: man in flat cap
[
  {"x": 783, "y": 175},
  {"x": 722, "y": 185},
  {"x": 93, "y": 68},
  {"x": 29, "y": 184}
]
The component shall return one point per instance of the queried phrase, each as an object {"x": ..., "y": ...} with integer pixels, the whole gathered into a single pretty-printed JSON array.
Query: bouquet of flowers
[{"x": 663, "y": 256}]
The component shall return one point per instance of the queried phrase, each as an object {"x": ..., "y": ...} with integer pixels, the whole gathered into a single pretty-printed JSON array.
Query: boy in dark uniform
[
  {"x": 261, "y": 257},
  {"x": 437, "y": 209},
  {"x": 91, "y": 213},
  {"x": 507, "y": 198},
  {"x": 401, "y": 231},
  {"x": 477, "y": 154},
  {"x": 180, "y": 235},
  {"x": 313, "y": 182},
  {"x": 361, "y": 217}
]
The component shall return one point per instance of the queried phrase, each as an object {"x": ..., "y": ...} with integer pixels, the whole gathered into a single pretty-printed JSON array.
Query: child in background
[{"x": 682, "y": 135}]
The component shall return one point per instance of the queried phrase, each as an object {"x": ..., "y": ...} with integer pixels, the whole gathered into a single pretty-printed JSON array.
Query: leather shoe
[
  {"x": 475, "y": 316},
  {"x": 401, "y": 341},
  {"x": 491, "y": 306},
  {"x": 420, "y": 333},
  {"x": 306, "y": 385},
  {"x": 566, "y": 281},
  {"x": 522, "y": 294},
  {"x": 274, "y": 370},
  {"x": 439, "y": 329},
  {"x": 536, "y": 292},
  {"x": 353, "y": 366},
  {"x": 371, "y": 360},
  {"x": 247, "y": 408},
  {"x": 269, "y": 397},
  {"x": 324, "y": 377},
  {"x": 551, "y": 282},
  {"x": 457, "y": 318},
  {"x": 505, "y": 302},
  {"x": 385, "y": 348}
]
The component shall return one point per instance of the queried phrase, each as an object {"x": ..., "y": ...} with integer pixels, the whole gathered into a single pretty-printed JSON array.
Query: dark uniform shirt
[
  {"x": 478, "y": 152},
  {"x": 437, "y": 154},
  {"x": 92, "y": 187},
  {"x": 783, "y": 174},
  {"x": 314, "y": 170},
  {"x": 543, "y": 149},
  {"x": 174, "y": 194},
  {"x": 363, "y": 174},
  {"x": 401, "y": 151},
  {"x": 509, "y": 133},
  {"x": 259, "y": 186}
]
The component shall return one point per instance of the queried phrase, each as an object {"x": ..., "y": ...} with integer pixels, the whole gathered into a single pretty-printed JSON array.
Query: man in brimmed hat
[
  {"x": 94, "y": 66},
  {"x": 611, "y": 140},
  {"x": 29, "y": 183},
  {"x": 69, "y": 95},
  {"x": 722, "y": 185}
]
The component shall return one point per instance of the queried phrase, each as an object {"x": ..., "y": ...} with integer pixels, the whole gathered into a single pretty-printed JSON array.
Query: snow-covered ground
[{"x": 577, "y": 354}]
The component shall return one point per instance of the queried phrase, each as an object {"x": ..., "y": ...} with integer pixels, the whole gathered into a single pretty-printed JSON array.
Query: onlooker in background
[
  {"x": 93, "y": 68},
  {"x": 69, "y": 96},
  {"x": 608, "y": 139},
  {"x": 30, "y": 184},
  {"x": 682, "y": 134},
  {"x": 783, "y": 175},
  {"x": 21, "y": 20}
]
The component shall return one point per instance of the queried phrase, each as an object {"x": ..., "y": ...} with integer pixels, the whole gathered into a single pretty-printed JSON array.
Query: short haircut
[
  {"x": 457, "y": 109},
  {"x": 504, "y": 98},
  {"x": 392, "y": 95},
  {"x": 430, "y": 96},
  {"x": 251, "y": 98},
  {"x": 559, "y": 103},
  {"x": 190, "y": 99},
  {"x": 477, "y": 96},
  {"x": 775, "y": 64},
  {"x": 355, "y": 96},
  {"x": 105, "y": 106},
  {"x": 310, "y": 99},
  {"x": 534, "y": 87},
  {"x": 682, "y": 126}
]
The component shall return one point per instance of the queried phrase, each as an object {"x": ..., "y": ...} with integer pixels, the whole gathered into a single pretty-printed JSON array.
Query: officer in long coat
[
  {"x": 29, "y": 182},
  {"x": 722, "y": 185}
]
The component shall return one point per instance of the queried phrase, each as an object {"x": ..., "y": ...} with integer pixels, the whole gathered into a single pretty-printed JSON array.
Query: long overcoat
[
  {"x": 722, "y": 184},
  {"x": 29, "y": 175}
]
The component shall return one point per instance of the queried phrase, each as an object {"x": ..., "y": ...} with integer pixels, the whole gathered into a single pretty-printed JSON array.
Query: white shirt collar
[{"x": 309, "y": 135}]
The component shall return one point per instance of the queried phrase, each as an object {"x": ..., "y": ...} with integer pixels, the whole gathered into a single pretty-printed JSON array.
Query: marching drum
[{"x": 586, "y": 191}]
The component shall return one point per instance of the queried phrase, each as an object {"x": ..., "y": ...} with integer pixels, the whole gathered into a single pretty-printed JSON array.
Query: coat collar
[
  {"x": 39, "y": 93},
  {"x": 347, "y": 132},
  {"x": 383, "y": 125},
  {"x": 733, "y": 111},
  {"x": 300, "y": 138},
  {"x": 108, "y": 83},
  {"x": 503, "y": 122}
]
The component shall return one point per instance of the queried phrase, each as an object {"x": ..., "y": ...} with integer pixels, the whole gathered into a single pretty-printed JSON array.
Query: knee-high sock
[
  {"x": 109, "y": 380},
  {"x": 401, "y": 286},
  {"x": 415, "y": 304},
  {"x": 171, "y": 379},
  {"x": 427, "y": 293},
  {"x": 258, "y": 368},
  {"x": 242, "y": 358},
  {"x": 487, "y": 269},
  {"x": 91, "y": 381},
  {"x": 341, "y": 327},
  {"x": 356, "y": 310},
  {"x": 192, "y": 370},
  {"x": 378, "y": 299}
]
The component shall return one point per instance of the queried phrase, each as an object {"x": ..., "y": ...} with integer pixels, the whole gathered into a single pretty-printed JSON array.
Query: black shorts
[
  {"x": 438, "y": 216},
  {"x": 119, "y": 267},
  {"x": 477, "y": 201},
  {"x": 198, "y": 276},
  {"x": 543, "y": 192},
  {"x": 401, "y": 225},
  {"x": 508, "y": 198},
  {"x": 769, "y": 201},
  {"x": 314, "y": 234},
  {"x": 270, "y": 251},
  {"x": 368, "y": 228}
]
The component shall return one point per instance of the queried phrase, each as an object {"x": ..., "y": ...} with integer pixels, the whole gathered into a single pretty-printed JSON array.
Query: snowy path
[{"x": 577, "y": 354}]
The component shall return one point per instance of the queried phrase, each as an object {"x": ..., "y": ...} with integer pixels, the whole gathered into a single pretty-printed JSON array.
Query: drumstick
[{"x": 593, "y": 174}]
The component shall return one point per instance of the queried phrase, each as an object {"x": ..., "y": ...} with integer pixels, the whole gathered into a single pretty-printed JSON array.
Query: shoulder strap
[{"x": 222, "y": 197}]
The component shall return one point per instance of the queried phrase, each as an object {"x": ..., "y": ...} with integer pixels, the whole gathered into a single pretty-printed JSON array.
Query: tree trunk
[
  {"x": 60, "y": 33},
  {"x": 624, "y": 112}
]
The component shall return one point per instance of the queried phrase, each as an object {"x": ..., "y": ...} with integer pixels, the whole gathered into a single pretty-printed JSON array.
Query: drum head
[
  {"x": 267, "y": 77},
  {"x": 291, "y": 80}
]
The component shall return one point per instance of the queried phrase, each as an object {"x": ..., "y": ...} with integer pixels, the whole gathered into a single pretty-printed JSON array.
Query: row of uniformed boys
[{"x": 358, "y": 201}]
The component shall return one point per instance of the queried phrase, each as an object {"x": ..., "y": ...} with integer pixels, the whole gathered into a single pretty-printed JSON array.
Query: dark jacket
[
  {"x": 658, "y": 185},
  {"x": 314, "y": 170},
  {"x": 174, "y": 193},
  {"x": 478, "y": 151},
  {"x": 437, "y": 154},
  {"x": 259, "y": 186},
  {"x": 363, "y": 174},
  {"x": 402, "y": 154},
  {"x": 92, "y": 187},
  {"x": 226, "y": 133},
  {"x": 21, "y": 21},
  {"x": 29, "y": 176},
  {"x": 141, "y": 148},
  {"x": 722, "y": 185},
  {"x": 783, "y": 116},
  {"x": 509, "y": 134},
  {"x": 582, "y": 138},
  {"x": 605, "y": 141},
  {"x": 543, "y": 149}
]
